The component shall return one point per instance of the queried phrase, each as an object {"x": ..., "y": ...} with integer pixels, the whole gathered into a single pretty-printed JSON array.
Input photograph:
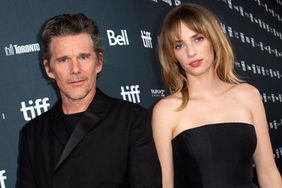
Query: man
[{"x": 87, "y": 140}]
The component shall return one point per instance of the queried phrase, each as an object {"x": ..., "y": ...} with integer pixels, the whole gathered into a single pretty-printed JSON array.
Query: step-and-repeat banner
[{"x": 131, "y": 69}]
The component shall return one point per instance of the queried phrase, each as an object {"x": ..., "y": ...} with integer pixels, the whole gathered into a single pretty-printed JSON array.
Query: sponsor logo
[
  {"x": 2, "y": 178},
  {"x": 250, "y": 40},
  {"x": 34, "y": 108},
  {"x": 176, "y": 2},
  {"x": 275, "y": 124},
  {"x": 256, "y": 69},
  {"x": 278, "y": 153},
  {"x": 158, "y": 92},
  {"x": 146, "y": 38},
  {"x": 21, "y": 49},
  {"x": 131, "y": 93},
  {"x": 115, "y": 39},
  {"x": 272, "y": 97}
]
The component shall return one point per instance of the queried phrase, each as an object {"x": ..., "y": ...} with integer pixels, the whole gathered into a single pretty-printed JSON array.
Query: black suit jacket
[{"x": 111, "y": 146}]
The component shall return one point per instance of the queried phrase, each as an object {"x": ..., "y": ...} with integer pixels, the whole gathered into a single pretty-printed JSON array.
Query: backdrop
[{"x": 131, "y": 71}]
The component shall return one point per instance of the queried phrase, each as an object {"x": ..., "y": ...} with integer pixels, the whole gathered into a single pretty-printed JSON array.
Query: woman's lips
[{"x": 196, "y": 63}]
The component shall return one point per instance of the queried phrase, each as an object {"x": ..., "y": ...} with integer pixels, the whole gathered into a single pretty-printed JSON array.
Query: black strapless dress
[{"x": 214, "y": 156}]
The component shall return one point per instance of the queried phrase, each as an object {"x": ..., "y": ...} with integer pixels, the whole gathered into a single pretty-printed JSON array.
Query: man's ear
[
  {"x": 48, "y": 69},
  {"x": 100, "y": 60}
]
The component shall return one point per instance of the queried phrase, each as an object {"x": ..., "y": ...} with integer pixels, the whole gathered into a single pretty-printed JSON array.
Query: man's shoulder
[
  {"x": 123, "y": 105},
  {"x": 128, "y": 107},
  {"x": 44, "y": 117}
]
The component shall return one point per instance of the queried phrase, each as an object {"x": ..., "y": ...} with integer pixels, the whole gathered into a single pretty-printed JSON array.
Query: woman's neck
[{"x": 205, "y": 86}]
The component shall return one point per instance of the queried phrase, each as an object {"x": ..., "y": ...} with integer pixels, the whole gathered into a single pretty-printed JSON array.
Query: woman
[{"x": 208, "y": 132}]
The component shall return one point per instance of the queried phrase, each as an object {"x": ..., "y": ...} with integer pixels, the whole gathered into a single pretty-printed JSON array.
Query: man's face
[{"x": 74, "y": 65}]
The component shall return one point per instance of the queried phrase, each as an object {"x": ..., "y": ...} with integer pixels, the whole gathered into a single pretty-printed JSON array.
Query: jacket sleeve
[
  {"x": 25, "y": 177},
  {"x": 144, "y": 166}
]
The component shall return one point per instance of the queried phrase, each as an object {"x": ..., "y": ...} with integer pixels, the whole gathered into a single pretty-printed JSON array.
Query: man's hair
[
  {"x": 204, "y": 22},
  {"x": 69, "y": 24}
]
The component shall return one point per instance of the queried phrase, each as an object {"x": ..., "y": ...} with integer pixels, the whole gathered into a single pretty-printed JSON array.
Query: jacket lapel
[
  {"x": 83, "y": 127},
  {"x": 89, "y": 121}
]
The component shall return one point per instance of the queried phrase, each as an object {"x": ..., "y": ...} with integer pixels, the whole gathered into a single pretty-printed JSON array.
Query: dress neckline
[{"x": 209, "y": 125}]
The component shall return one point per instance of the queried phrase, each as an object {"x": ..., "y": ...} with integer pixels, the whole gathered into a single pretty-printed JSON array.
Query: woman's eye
[
  {"x": 178, "y": 46},
  {"x": 199, "y": 39}
]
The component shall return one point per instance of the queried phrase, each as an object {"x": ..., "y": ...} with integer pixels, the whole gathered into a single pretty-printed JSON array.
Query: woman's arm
[
  {"x": 267, "y": 172},
  {"x": 162, "y": 133}
]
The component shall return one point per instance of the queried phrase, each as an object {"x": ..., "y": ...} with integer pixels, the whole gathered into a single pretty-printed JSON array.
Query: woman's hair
[{"x": 204, "y": 22}]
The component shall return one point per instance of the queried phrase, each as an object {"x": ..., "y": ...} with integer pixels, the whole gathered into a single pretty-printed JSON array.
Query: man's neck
[{"x": 71, "y": 106}]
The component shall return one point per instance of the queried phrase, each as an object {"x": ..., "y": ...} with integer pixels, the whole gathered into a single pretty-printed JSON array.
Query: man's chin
[{"x": 77, "y": 97}]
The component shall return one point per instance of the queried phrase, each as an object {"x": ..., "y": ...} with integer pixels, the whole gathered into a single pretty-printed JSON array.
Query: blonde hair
[{"x": 202, "y": 21}]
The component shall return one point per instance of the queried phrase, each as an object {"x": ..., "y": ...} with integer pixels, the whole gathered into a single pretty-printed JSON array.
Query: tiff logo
[
  {"x": 114, "y": 39},
  {"x": 34, "y": 108},
  {"x": 147, "y": 40},
  {"x": 9, "y": 50},
  {"x": 131, "y": 93},
  {"x": 2, "y": 178}
]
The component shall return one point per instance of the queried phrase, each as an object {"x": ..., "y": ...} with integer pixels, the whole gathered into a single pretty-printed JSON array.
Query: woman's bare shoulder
[
  {"x": 170, "y": 103},
  {"x": 246, "y": 90},
  {"x": 247, "y": 93},
  {"x": 164, "y": 117}
]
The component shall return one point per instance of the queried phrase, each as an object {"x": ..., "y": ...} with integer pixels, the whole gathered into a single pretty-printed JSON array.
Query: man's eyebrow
[
  {"x": 86, "y": 54},
  {"x": 61, "y": 58}
]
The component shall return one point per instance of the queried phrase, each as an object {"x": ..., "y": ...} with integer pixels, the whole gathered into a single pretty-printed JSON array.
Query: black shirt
[{"x": 71, "y": 120}]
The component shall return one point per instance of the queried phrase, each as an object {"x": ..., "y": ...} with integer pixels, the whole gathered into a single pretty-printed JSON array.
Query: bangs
[
  {"x": 195, "y": 24},
  {"x": 174, "y": 33}
]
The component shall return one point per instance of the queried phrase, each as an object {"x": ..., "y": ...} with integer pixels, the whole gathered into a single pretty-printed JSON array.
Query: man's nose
[{"x": 75, "y": 66}]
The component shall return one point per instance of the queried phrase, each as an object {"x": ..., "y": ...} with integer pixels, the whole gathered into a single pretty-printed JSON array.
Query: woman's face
[{"x": 194, "y": 52}]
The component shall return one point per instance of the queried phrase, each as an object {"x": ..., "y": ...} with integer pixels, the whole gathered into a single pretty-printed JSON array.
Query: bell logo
[
  {"x": 131, "y": 93},
  {"x": 114, "y": 39},
  {"x": 34, "y": 108},
  {"x": 2, "y": 178}
]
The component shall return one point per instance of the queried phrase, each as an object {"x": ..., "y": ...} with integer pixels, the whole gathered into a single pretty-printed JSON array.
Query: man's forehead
[{"x": 71, "y": 42}]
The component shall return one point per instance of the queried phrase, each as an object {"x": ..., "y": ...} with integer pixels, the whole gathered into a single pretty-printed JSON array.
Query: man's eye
[
  {"x": 62, "y": 60},
  {"x": 84, "y": 56}
]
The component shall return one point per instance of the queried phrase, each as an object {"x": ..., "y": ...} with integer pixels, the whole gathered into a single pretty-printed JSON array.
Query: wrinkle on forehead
[{"x": 68, "y": 44}]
